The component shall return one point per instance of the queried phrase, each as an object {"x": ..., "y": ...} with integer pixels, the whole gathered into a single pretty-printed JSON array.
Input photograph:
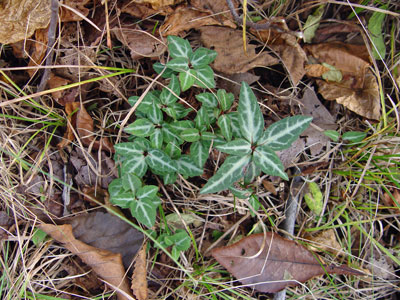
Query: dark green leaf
[
  {"x": 208, "y": 99},
  {"x": 115, "y": 187},
  {"x": 187, "y": 167},
  {"x": 158, "y": 67},
  {"x": 252, "y": 171},
  {"x": 156, "y": 139},
  {"x": 147, "y": 191},
  {"x": 179, "y": 47},
  {"x": 131, "y": 183},
  {"x": 158, "y": 160},
  {"x": 187, "y": 79},
  {"x": 224, "y": 123},
  {"x": 123, "y": 200},
  {"x": 144, "y": 211},
  {"x": 269, "y": 162},
  {"x": 225, "y": 99},
  {"x": 205, "y": 77},
  {"x": 199, "y": 152},
  {"x": 354, "y": 136},
  {"x": 202, "y": 57},
  {"x": 178, "y": 64},
  {"x": 170, "y": 93},
  {"x": 190, "y": 135},
  {"x": 141, "y": 128},
  {"x": 236, "y": 147},
  {"x": 154, "y": 114}
]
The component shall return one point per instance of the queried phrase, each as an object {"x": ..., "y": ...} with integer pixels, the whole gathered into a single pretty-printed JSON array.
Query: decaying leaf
[
  {"x": 185, "y": 18},
  {"x": 68, "y": 15},
  {"x": 85, "y": 127},
  {"x": 20, "y": 19},
  {"x": 156, "y": 4},
  {"x": 290, "y": 52},
  {"x": 270, "y": 263},
  {"x": 324, "y": 241},
  {"x": 358, "y": 90},
  {"x": 316, "y": 139},
  {"x": 139, "y": 277},
  {"x": 105, "y": 263},
  {"x": 55, "y": 82},
  {"x": 141, "y": 10},
  {"x": 229, "y": 45},
  {"x": 141, "y": 43}
]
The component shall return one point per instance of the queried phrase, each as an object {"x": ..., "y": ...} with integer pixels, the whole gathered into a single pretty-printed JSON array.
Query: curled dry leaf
[
  {"x": 142, "y": 10},
  {"x": 157, "y": 4},
  {"x": 139, "y": 277},
  {"x": 185, "y": 18},
  {"x": 231, "y": 58},
  {"x": 270, "y": 263},
  {"x": 70, "y": 107},
  {"x": 358, "y": 90},
  {"x": 105, "y": 263},
  {"x": 20, "y": 19},
  {"x": 141, "y": 43},
  {"x": 85, "y": 127},
  {"x": 289, "y": 50},
  {"x": 55, "y": 82}
]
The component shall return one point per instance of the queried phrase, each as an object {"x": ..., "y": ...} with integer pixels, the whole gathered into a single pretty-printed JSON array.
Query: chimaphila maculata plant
[{"x": 163, "y": 126}]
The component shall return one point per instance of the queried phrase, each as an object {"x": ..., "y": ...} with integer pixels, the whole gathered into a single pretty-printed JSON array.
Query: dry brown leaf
[
  {"x": 38, "y": 49},
  {"x": 324, "y": 241},
  {"x": 139, "y": 277},
  {"x": 143, "y": 10},
  {"x": 291, "y": 53},
  {"x": 141, "y": 43},
  {"x": 85, "y": 127},
  {"x": 316, "y": 70},
  {"x": 105, "y": 263},
  {"x": 270, "y": 263},
  {"x": 68, "y": 15},
  {"x": 186, "y": 18},
  {"x": 20, "y": 19},
  {"x": 358, "y": 90},
  {"x": 69, "y": 133},
  {"x": 229, "y": 45},
  {"x": 315, "y": 138},
  {"x": 156, "y": 4},
  {"x": 55, "y": 82}
]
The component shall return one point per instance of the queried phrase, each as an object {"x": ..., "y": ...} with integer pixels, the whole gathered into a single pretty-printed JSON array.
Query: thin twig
[{"x": 51, "y": 34}]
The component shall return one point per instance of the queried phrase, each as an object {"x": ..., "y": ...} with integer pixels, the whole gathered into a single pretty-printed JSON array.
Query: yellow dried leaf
[{"x": 139, "y": 277}]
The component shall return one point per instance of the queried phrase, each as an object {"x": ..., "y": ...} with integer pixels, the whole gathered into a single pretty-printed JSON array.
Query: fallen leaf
[
  {"x": 68, "y": 15},
  {"x": 324, "y": 241},
  {"x": 358, "y": 90},
  {"x": 68, "y": 137},
  {"x": 229, "y": 45},
  {"x": 92, "y": 192},
  {"x": 186, "y": 18},
  {"x": 20, "y": 19},
  {"x": 55, "y": 82},
  {"x": 289, "y": 50},
  {"x": 139, "y": 277},
  {"x": 233, "y": 85},
  {"x": 140, "y": 43},
  {"x": 316, "y": 70},
  {"x": 37, "y": 49},
  {"x": 270, "y": 263},
  {"x": 105, "y": 263},
  {"x": 312, "y": 106},
  {"x": 141, "y": 10},
  {"x": 85, "y": 127}
]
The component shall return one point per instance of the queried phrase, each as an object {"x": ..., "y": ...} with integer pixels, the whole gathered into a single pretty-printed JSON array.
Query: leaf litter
[{"x": 270, "y": 263}]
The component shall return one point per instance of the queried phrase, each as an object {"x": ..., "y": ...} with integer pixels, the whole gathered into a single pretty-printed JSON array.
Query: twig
[
  {"x": 51, "y": 34},
  {"x": 291, "y": 213},
  {"x": 268, "y": 25}
]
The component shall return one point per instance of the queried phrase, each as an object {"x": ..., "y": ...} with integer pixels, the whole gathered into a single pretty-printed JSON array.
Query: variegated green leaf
[
  {"x": 187, "y": 79},
  {"x": 187, "y": 167},
  {"x": 115, "y": 187},
  {"x": 179, "y": 47},
  {"x": 255, "y": 205},
  {"x": 251, "y": 120},
  {"x": 234, "y": 116},
  {"x": 170, "y": 178},
  {"x": 202, "y": 118},
  {"x": 239, "y": 193},
  {"x": 154, "y": 114},
  {"x": 170, "y": 93},
  {"x": 167, "y": 72},
  {"x": 180, "y": 110},
  {"x": 131, "y": 183},
  {"x": 205, "y": 77},
  {"x": 252, "y": 171},
  {"x": 181, "y": 240},
  {"x": 141, "y": 128},
  {"x": 135, "y": 164},
  {"x": 170, "y": 135},
  {"x": 158, "y": 160},
  {"x": 208, "y": 99},
  {"x": 236, "y": 147},
  {"x": 282, "y": 134},
  {"x": 123, "y": 200},
  {"x": 173, "y": 150},
  {"x": 202, "y": 57},
  {"x": 224, "y": 123},
  {"x": 199, "y": 152},
  {"x": 354, "y": 136},
  {"x": 147, "y": 191},
  {"x": 190, "y": 135},
  {"x": 170, "y": 111},
  {"x": 128, "y": 149},
  {"x": 144, "y": 211},
  {"x": 207, "y": 136},
  {"x": 142, "y": 143},
  {"x": 178, "y": 64},
  {"x": 225, "y": 99},
  {"x": 179, "y": 126},
  {"x": 230, "y": 171},
  {"x": 156, "y": 139},
  {"x": 269, "y": 162}
]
